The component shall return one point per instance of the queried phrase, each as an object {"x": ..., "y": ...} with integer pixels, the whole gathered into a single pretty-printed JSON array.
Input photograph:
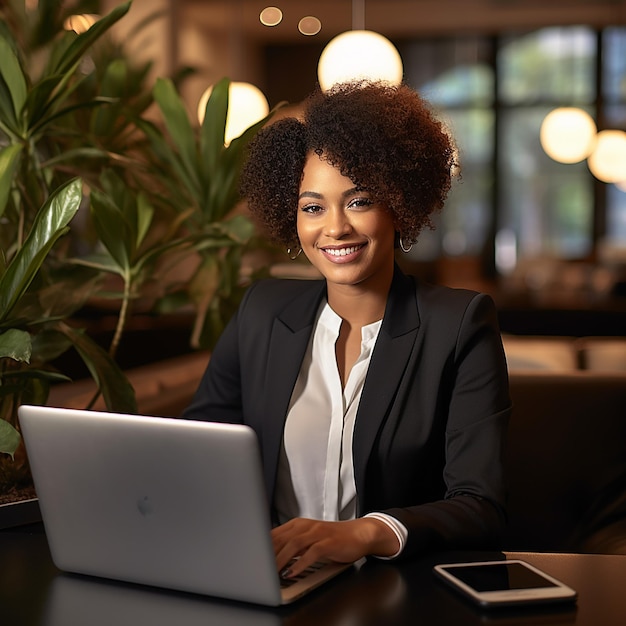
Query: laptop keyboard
[{"x": 287, "y": 582}]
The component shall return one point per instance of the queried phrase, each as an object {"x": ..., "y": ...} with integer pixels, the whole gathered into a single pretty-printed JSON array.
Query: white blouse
[{"x": 315, "y": 471}]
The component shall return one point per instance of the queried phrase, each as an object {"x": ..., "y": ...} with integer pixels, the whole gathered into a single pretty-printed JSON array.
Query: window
[
  {"x": 614, "y": 97},
  {"x": 547, "y": 205},
  {"x": 494, "y": 93},
  {"x": 457, "y": 78}
]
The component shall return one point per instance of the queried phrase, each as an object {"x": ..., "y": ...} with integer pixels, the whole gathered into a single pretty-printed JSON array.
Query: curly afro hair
[{"x": 385, "y": 139}]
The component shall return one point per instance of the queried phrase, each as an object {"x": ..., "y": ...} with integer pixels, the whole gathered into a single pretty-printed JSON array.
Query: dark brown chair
[{"x": 566, "y": 463}]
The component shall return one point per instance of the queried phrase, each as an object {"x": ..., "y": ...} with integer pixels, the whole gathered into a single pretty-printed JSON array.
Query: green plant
[
  {"x": 200, "y": 175},
  {"x": 132, "y": 198},
  {"x": 16, "y": 343},
  {"x": 38, "y": 198}
]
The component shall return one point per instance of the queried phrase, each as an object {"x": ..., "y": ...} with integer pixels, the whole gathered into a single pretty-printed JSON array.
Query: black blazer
[{"x": 430, "y": 428}]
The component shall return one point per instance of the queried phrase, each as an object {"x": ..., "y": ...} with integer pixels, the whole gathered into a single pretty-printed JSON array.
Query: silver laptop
[{"x": 167, "y": 502}]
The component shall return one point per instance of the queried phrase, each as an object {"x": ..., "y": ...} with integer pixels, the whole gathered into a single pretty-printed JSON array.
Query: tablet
[{"x": 501, "y": 583}]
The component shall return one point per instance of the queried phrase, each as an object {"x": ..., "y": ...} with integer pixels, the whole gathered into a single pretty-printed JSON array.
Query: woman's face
[{"x": 347, "y": 236}]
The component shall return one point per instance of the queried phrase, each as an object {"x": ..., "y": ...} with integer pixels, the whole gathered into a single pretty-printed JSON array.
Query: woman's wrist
[{"x": 379, "y": 537}]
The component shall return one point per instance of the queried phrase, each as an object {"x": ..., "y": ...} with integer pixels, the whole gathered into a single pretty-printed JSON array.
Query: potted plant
[{"x": 75, "y": 145}]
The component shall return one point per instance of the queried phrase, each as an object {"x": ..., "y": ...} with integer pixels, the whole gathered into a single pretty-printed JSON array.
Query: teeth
[{"x": 342, "y": 251}]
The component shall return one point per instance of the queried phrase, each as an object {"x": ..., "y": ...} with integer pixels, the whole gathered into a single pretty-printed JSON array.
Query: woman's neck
[{"x": 358, "y": 306}]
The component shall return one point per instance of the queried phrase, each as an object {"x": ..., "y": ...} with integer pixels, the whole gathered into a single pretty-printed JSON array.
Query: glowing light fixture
[
  {"x": 359, "y": 54},
  {"x": 246, "y": 106},
  {"x": 309, "y": 25},
  {"x": 608, "y": 160},
  {"x": 80, "y": 23},
  {"x": 568, "y": 134},
  {"x": 271, "y": 16}
]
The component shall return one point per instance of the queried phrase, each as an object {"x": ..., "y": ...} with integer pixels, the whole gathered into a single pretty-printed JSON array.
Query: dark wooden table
[{"x": 33, "y": 593}]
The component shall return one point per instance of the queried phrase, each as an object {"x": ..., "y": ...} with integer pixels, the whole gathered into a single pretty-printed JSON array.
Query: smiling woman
[{"x": 380, "y": 402}]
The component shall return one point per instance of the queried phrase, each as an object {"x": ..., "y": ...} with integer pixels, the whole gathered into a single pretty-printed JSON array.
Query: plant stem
[{"x": 123, "y": 316}]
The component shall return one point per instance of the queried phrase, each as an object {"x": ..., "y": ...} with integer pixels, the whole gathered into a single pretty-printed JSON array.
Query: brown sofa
[
  {"x": 566, "y": 462},
  {"x": 564, "y": 354}
]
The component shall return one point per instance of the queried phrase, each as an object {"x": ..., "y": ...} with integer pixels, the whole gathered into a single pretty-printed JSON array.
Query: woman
[{"x": 380, "y": 402}]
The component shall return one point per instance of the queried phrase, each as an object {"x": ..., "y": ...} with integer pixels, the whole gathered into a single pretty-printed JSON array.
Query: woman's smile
[{"x": 344, "y": 254}]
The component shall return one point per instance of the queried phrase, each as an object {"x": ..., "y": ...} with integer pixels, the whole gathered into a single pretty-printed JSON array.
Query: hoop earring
[
  {"x": 293, "y": 256},
  {"x": 405, "y": 248}
]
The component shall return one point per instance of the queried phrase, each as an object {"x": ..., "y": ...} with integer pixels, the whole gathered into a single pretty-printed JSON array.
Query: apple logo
[{"x": 145, "y": 506}]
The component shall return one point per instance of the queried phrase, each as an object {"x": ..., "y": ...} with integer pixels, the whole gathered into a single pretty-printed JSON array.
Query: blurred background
[{"x": 540, "y": 234}]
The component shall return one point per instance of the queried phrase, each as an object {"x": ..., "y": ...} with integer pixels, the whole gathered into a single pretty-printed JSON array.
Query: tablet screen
[{"x": 500, "y": 577}]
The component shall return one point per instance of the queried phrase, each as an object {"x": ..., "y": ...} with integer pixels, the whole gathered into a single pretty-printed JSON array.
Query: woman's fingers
[{"x": 310, "y": 541}]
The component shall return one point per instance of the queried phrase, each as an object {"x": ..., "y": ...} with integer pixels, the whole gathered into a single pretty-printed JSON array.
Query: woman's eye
[
  {"x": 359, "y": 203},
  {"x": 311, "y": 208}
]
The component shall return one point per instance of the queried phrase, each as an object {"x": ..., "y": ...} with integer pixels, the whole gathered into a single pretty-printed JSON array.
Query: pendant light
[
  {"x": 359, "y": 54},
  {"x": 608, "y": 161},
  {"x": 568, "y": 134}
]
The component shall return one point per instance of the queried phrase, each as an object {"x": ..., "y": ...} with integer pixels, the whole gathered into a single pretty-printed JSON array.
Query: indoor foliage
[{"x": 98, "y": 200}]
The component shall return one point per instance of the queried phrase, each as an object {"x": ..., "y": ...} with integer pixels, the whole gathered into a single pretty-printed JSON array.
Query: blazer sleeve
[{"x": 474, "y": 404}]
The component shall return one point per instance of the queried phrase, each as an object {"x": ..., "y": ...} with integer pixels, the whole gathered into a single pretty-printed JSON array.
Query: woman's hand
[{"x": 344, "y": 542}]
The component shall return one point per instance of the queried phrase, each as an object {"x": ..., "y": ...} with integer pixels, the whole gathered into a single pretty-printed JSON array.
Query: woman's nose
[{"x": 337, "y": 223}]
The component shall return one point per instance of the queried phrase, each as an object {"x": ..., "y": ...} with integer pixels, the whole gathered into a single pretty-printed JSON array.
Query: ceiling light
[
  {"x": 608, "y": 160},
  {"x": 271, "y": 16},
  {"x": 568, "y": 134},
  {"x": 309, "y": 25},
  {"x": 359, "y": 54},
  {"x": 80, "y": 23}
]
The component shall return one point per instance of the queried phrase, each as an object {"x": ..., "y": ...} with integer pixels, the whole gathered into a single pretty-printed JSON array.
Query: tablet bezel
[{"x": 556, "y": 592}]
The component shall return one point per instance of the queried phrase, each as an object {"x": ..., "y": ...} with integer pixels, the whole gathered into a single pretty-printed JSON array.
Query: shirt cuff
[{"x": 398, "y": 528}]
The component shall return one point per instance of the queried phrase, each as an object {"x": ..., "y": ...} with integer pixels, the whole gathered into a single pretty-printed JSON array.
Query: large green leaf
[
  {"x": 145, "y": 215},
  {"x": 113, "y": 85},
  {"x": 13, "y": 77},
  {"x": 84, "y": 41},
  {"x": 65, "y": 291},
  {"x": 9, "y": 161},
  {"x": 29, "y": 374},
  {"x": 214, "y": 126},
  {"x": 36, "y": 388},
  {"x": 16, "y": 344},
  {"x": 102, "y": 262},
  {"x": 240, "y": 228},
  {"x": 64, "y": 61},
  {"x": 74, "y": 155},
  {"x": 223, "y": 193},
  {"x": 50, "y": 116},
  {"x": 8, "y": 123},
  {"x": 117, "y": 391},
  {"x": 170, "y": 162},
  {"x": 179, "y": 128},
  {"x": 49, "y": 344},
  {"x": 50, "y": 223},
  {"x": 9, "y": 438},
  {"x": 114, "y": 230},
  {"x": 39, "y": 97}
]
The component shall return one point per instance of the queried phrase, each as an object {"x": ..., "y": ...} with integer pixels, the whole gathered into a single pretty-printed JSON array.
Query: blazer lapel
[
  {"x": 290, "y": 337},
  {"x": 393, "y": 348}
]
